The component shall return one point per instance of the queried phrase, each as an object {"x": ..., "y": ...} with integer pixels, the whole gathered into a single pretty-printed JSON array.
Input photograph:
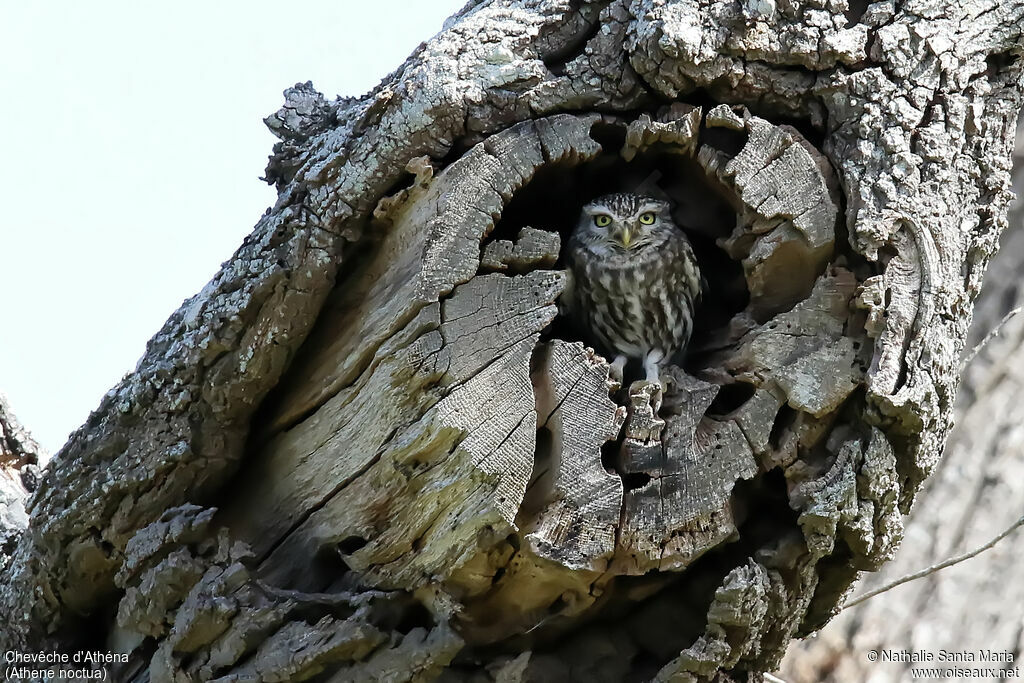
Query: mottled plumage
[{"x": 635, "y": 279}]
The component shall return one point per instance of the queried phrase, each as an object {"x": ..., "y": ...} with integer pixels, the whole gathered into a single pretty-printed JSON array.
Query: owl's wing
[{"x": 567, "y": 297}]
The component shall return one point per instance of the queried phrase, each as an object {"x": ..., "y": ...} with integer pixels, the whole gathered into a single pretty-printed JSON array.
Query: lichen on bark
[{"x": 372, "y": 439}]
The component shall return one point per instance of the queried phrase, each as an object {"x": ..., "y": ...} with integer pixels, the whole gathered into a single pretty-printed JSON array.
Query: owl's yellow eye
[
  {"x": 647, "y": 218},
  {"x": 602, "y": 221}
]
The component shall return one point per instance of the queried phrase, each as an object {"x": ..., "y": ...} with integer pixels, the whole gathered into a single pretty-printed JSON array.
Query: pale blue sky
[{"x": 133, "y": 144}]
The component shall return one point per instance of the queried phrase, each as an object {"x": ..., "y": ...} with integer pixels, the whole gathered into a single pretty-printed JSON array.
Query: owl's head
[{"x": 625, "y": 223}]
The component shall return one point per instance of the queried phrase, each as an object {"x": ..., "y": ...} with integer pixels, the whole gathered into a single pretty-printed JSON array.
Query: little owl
[{"x": 635, "y": 280}]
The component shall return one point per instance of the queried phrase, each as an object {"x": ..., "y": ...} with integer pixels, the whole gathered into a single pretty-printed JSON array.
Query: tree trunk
[
  {"x": 21, "y": 460},
  {"x": 371, "y": 449},
  {"x": 973, "y": 607}
]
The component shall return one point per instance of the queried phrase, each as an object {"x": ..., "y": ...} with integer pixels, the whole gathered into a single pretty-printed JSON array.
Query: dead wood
[{"x": 372, "y": 449}]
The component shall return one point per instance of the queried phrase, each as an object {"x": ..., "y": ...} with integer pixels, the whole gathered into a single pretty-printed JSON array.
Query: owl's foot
[
  {"x": 651, "y": 361},
  {"x": 618, "y": 366}
]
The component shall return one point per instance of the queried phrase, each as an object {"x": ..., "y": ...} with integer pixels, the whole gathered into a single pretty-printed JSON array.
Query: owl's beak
[{"x": 625, "y": 237}]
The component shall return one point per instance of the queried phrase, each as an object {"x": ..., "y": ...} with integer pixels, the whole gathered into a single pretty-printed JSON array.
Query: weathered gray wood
[
  {"x": 21, "y": 460},
  {"x": 693, "y": 462},
  {"x": 734, "y": 620},
  {"x": 787, "y": 214},
  {"x": 577, "y": 504},
  {"x": 230, "y": 626},
  {"x": 532, "y": 249},
  {"x": 556, "y": 566},
  {"x": 358, "y": 396},
  {"x": 973, "y": 495}
]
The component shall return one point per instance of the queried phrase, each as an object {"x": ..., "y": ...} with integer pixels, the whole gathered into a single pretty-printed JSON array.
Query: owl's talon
[
  {"x": 651, "y": 361},
  {"x": 617, "y": 368}
]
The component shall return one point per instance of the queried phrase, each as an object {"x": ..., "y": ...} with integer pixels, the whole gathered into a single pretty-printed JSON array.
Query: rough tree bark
[
  {"x": 370, "y": 449},
  {"x": 21, "y": 463},
  {"x": 974, "y": 493}
]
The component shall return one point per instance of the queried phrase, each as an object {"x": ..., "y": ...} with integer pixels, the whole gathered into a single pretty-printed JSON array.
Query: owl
[{"x": 635, "y": 280}]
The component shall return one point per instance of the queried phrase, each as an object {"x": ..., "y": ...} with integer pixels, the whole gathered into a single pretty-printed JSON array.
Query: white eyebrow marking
[
  {"x": 598, "y": 209},
  {"x": 648, "y": 206}
]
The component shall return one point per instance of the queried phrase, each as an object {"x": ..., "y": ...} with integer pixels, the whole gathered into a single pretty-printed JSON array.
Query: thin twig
[
  {"x": 773, "y": 679},
  {"x": 934, "y": 568},
  {"x": 988, "y": 337}
]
